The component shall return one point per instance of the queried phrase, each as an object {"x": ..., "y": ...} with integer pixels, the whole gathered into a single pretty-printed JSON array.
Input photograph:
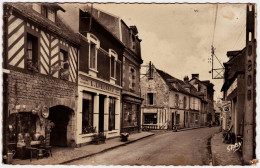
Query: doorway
[
  {"x": 101, "y": 113},
  {"x": 60, "y": 116},
  {"x": 173, "y": 114}
]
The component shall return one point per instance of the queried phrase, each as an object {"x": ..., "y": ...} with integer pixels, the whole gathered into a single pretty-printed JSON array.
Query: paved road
[{"x": 164, "y": 148}]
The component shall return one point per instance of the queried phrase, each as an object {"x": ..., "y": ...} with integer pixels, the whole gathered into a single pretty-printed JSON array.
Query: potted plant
[{"x": 124, "y": 136}]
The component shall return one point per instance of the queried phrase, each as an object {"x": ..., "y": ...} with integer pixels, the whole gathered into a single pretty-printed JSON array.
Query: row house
[
  {"x": 239, "y": 91},
  {"x": 108, "y": 85},
  {"x": 40, "y": 63},
  {"x": 168, "y": 102},
  {"x": 206, "y": 91},
  {"x": 131, "y": 61}
]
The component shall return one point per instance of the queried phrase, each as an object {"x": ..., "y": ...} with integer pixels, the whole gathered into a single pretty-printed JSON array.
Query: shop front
[
  {"x": 98, "y": 109},
  {"x": 32, "y": 127},
  {"x": 131, "y": 113}
]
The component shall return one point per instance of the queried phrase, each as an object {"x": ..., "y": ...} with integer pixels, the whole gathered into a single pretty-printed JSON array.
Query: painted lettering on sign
[
  {"x": 232, "y": 87},
  {"x": 99, "y": 85}
]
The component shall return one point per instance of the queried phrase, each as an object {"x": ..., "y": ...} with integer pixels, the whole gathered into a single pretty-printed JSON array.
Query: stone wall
[{"x": 156, "y": 86}]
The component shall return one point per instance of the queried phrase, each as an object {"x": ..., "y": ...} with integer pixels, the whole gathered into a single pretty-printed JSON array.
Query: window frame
[
  {"x": 131, "y": 80},
  {"x": 176, "y": 100},
  {"x": 65, "y": 53},
  {"x": 113, "y": 54},
  {"x": 35, "y": 53},
  {"x": 112, "y": 113},
  {"x": 92, "y": 39},
  {"x": 88, "y": 115},
  {"x": 153, "y": 97}
]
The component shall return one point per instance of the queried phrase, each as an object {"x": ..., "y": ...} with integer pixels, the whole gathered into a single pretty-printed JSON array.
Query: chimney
[
  {"x": 186, "y": 79},
  {"x": 195, "y": 76}
]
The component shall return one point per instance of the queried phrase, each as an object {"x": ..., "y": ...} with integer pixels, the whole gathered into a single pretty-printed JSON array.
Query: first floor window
[
  {"x": 113, "y": 72},
  {"x": 92, "y": 56},
  {"x": 112, "y": 113},
  {"x": 87, "y": 114},
  {"x": 176, "y": 100},
  {"x": 32, "y": 52},
  {"x": 150, "y": 118},
  {"x": 150, "y": 98}
]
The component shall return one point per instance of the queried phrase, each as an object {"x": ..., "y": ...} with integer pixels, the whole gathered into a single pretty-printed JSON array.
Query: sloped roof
[
  {"x": 179, "y": 84},
  {"x": 58, "y": 28}
]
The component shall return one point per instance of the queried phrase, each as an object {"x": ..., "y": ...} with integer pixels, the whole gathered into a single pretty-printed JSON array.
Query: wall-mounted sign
[
  {"x": 45, "y": 112},
  {"x": 226, "y": 105},
  {"x": 98, "y": 85},
  {"x": 232, "y": 87}
]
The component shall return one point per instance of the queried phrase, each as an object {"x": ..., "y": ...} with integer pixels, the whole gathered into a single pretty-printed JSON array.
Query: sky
[{"x": 177, "y": 38}]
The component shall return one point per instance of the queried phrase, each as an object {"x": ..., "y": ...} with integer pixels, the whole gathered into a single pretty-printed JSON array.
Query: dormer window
[{"x": 48, "y": 12}]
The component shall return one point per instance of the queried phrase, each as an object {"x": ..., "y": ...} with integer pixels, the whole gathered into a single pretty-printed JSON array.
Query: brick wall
[{"x": 36, "y": 89}]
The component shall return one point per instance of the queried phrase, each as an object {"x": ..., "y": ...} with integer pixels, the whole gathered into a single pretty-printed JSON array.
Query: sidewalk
[
  {"x": 66, "y": 155},
  {"x": 220, "y": 154}
]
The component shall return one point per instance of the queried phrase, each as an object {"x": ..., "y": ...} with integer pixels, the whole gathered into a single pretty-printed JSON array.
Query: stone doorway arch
[{"x": 60, "y": 115}]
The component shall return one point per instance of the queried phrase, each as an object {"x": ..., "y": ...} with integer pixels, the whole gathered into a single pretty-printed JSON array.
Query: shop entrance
[
  {"x": 60, "y": 116},
  {"x": 101, "y": 113}
]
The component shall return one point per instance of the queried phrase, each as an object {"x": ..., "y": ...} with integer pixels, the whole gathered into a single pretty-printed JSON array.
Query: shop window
[
  {"x": 21, "y": 124},
  {"x": 64, "y": 71},
  {"x": 150, "y": 118},
  {"x": 87, "y": 114},
  {"x": 130, "y": 114},
  {"x": 32, "y": 52},
  {"x": 132, "y": 77},
  {"x": 151, "y": 98},
  {"x": 112, "y": 114}
]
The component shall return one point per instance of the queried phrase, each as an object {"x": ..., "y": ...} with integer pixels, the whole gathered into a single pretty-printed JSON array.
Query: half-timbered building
[{"x": 40, "y": 75}]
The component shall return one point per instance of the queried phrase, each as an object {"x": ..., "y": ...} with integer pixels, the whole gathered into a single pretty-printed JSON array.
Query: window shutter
[
  {"x": 130, "y": 77},
  {"x": 154, "y": 98},
  {"x": 145, "y": 98}
]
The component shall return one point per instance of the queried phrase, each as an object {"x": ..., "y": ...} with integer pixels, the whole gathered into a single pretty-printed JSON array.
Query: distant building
[
  {"x": 169, "y": 102},
  {"x": 206, "y": 91}
]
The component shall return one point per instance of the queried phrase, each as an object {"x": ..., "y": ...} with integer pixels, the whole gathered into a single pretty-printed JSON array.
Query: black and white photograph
[{"x": 129, "y": 83}]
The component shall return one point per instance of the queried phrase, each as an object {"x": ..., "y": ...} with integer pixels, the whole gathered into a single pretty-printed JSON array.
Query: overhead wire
[
  {"x": 239, "y": 36},
  {"x": 216, "y": 14}
]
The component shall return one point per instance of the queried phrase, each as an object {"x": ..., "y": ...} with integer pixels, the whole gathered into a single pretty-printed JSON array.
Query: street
[{"x": 164, "y": 148}]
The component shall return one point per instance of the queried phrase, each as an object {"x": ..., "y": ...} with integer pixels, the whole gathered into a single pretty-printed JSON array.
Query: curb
[
  {"x": 186, "y": 129},
  {"x": 105, "y": 150}
]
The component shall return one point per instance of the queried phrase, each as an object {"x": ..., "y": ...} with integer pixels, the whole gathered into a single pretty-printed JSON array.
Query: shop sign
[
  {"x": 232, "y": 87},
  {"x": 226, "y": 105},
  {"x": 150, "y": 110},
  {"x": 45, "y": 112},
  {"x": 132, "y": 99},
  {"x": 98, "y": 85}
]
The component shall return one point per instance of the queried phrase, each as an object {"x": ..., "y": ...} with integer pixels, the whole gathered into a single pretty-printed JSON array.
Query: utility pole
[{"x": 250, "y": 86}]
